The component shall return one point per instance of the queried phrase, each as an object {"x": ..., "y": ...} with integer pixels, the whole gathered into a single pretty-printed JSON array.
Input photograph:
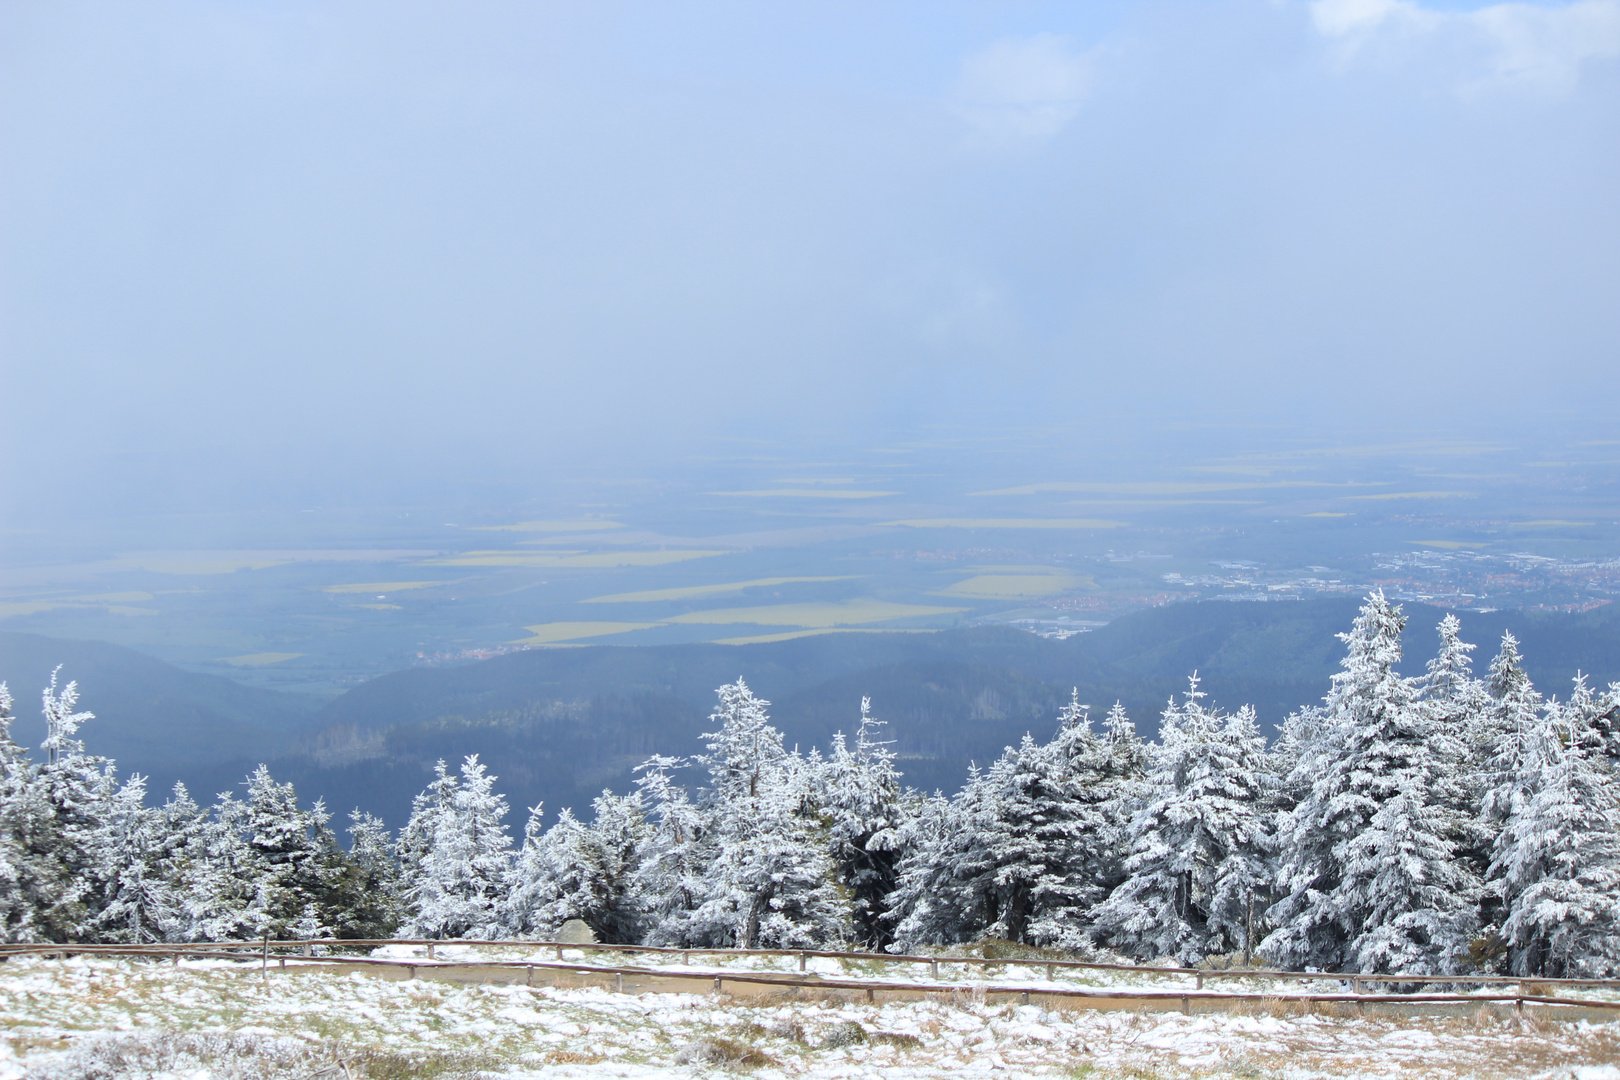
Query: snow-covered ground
[
  {"x": 1031, "y": 976},
  {"x": 95, "y": 1017}
]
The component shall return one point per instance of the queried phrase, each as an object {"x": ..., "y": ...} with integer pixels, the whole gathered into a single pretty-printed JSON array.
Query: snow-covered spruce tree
[
  {"x": 579, "y": 871},
  {"x": 1199, "y": 843},
  {"x": 1368, "y": 872},
  {"x": 860, "y": 791},
  {"x": 1504, "y": 732},
  {"x": 563, "y": 878},
  {"x": 669, "y": 864},
  {"x": 1005, "y": 864},
  {"x": 1415, "y": 900},
  {"x": 139, "y": 904},
  {"x": 1586, "y": 718},
  {"x": 57, "y": 809},
  {"x": 931, "y": 903},
  {"x": 1455, "y": 702},
  {"x": 1070, "y": 791},
  {"x": 528, "y": 884},
  {"x": 1558, "y": 856},
  {"x": 1105, "y": 788},
  {"x": 1019, "y": 867},
  {"x": 767, "y": 880},
  {"x": 462, "y": 873},
  {"x": 621, "y": 832},
  {"x": 1305, "y": 744},
  {"x": 222, "y": 894},
  {"x": 376, "y": 905},
  {"x": 416, "y": 838},
  {"x": 1506, "y": 743},
  {"x": 1028, "y": 846},
  {"x": 281, "y": 851},
  {"x": 294, "y": 858},
  {"x": 16, "y": 913}
]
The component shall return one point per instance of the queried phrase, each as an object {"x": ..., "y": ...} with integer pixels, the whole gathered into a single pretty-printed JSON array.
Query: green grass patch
[
  {"x": 691, "y": 592},
  {"x": 816, "y": 616}
]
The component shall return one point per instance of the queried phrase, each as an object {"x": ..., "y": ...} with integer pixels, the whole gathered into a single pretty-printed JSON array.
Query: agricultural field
[{"x": 125, "y": 1018}]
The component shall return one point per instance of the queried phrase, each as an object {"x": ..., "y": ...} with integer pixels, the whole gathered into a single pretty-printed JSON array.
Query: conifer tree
[
  {"x": 16, "y": 914},
  {"x": 280, "y": 851},
  {"x": 767, "y": 880},
  {"x": 139, "y": 904},
  {"x": 428, "y": 807},
  {"x": 373, "y": 906},
  {"x": 1455, "y": 702},
  {"x": 669, "y": 865},
  {"x": 1382, "y": 766},
  {"x": 461, "y": 872},
  {"x": 860, "y": 790},
  {"x": 58, "y": 810},
  {"x": 1199, "y": 843},
  {"x": 1507, "y": 744},
  {"x": 620, "y": 831},
  {"x": 217, "y": 873},
  {"x": 1028, "y": 847},
  {"x": 1557, "y": 860},
  {"x": 563, "y": 879},
  {"x": 932, "y": 903},
  {"x": 1504, "y": 732},
  {"x": 528, "y": 885},
  {"x": 1102, "y": 790},
  {"x": 579, "y": 871},
  {"x": 1019, "y": 875}
]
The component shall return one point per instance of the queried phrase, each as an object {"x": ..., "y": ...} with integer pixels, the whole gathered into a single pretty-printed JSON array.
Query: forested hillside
[
  {"x": 1428, "y": 823},
  {"x": 159, "y": 718},
  {"x": 564, "y": 723}
]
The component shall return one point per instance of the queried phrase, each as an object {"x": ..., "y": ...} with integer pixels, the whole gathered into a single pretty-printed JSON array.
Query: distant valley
[{"x": 558, "y": 725}]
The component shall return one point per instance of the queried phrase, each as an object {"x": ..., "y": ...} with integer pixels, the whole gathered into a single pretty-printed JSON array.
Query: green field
[
  {"x": 843, "y": 613},
  {"x": 546, "y": 560},
  {"x": 259, "y": 659},
  {"x": 690, "y": 592},
  {"x": 1009, "y": 523},
  {"x": 807, "y": 493},
  {"x": 1016, "y": 586},
  {"x": 381, "y": 586},
  {"x": 553, "y": 633},
  {"x": 586, "y": 525}
]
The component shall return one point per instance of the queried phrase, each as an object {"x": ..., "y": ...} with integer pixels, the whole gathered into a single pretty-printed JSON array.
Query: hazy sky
[{"x": 307, "y": 241}]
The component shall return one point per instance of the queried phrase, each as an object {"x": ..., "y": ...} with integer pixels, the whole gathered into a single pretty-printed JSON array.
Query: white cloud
[
  {"x": 1023, "y": 88},
  {"x": 1513, "y": 45},
  {"x": 1360, "y": 18},
  {"x": 1546, "y": 46}
]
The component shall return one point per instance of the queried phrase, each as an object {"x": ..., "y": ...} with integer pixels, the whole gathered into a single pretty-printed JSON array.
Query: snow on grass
[
  {"x": 1029, "y": 975},
  {"x": 204, "y": 1019}
]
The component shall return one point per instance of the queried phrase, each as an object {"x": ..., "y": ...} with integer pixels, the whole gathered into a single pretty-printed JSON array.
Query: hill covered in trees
[
  {"x": 1430, "y": 823},
  {"x": 564, "y": 723}
]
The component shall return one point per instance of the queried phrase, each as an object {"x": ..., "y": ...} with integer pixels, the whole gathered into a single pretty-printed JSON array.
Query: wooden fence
[{"x": 1523, "y": 990}]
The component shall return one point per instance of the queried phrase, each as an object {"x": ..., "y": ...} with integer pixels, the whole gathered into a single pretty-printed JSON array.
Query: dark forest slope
[{"x": 561, "y": 724}]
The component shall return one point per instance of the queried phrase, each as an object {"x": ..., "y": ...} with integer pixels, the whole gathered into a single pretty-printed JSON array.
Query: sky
[{"x": 255, "y": 250}]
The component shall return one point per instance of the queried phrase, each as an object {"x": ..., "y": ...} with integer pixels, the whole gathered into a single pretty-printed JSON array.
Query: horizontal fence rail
[
  {"x": 1198, "y": 975},
  {"x": 1528, "y": 990}
]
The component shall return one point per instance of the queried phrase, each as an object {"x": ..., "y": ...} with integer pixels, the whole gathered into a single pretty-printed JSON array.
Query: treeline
[{"x": 1433, "y": 824}]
